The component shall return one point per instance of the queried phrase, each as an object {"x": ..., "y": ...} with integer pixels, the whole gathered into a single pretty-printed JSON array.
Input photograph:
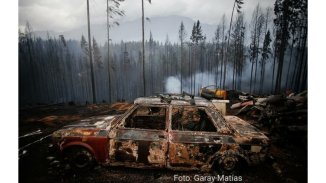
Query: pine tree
[{"x": 197, "y": 33}]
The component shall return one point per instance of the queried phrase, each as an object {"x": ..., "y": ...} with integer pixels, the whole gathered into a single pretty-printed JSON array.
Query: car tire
[
  {"x": 80, "y": 159},
  {"x": 228, "y": 162}
]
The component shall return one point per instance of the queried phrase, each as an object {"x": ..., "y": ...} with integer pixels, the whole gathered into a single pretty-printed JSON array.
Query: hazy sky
[{"x": 64, "y": 15}]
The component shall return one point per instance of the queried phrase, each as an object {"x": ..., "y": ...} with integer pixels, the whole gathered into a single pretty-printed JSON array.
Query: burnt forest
[{"x": 254, "y": 61}]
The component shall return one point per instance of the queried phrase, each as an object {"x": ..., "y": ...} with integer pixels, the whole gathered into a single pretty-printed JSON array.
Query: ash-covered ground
[{"x": 287, "y": 161}]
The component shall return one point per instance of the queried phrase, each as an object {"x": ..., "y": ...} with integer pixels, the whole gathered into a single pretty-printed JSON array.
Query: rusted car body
[{"x": 176, "y": 132}]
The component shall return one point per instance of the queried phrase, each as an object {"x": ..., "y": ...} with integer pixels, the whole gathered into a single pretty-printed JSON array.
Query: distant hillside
[{"x": 131, "y": 31}]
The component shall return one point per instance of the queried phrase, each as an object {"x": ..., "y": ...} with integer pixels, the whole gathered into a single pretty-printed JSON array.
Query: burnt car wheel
[
  {"x": 80, "y": 158},
  {"x": 228, "y": 162}
]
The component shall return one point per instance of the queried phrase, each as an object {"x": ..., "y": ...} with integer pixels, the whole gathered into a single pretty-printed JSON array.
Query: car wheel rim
[{"x": 229, "y": 163}]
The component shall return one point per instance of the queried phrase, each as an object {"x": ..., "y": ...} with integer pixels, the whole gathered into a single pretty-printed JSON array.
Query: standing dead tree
[
  {"x": 217, "y": 52},
  {"x": 143, "y": 45},
  {"x": 237, "y": 4},
  {"x": 257, "y": 23},
  {"x": 237, "y": 49},
  {"x": 223, "y": 39},
  {"x": 197, "y": 38},
  {"x": 266, "y": 51},
  {"x": 112, "y": 8},
  {"x": 287, "y": 14},
  {"x": 182, "y": 37},
  {"x": 91, "y": 55}
]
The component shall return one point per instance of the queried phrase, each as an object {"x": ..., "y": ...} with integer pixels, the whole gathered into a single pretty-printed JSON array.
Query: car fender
[
  {"x": 227, "y": 149},
  {"x": 79, "y": 144}
]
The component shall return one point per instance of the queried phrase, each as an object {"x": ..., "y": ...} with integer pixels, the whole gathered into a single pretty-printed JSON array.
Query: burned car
[{"x": 168, "y": 131}]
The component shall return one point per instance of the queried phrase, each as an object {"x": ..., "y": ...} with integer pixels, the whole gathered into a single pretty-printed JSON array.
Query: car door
[
  {"x": 192, "y": 143},
  {"x": 141, "y": 139}
]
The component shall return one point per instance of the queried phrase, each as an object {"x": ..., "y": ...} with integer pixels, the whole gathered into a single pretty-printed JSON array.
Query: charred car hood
[{"x": 87, "y": 127}]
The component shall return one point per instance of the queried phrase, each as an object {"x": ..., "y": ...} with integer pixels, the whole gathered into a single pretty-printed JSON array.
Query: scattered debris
[
  {"x": 34, "y": 142},
  {"x": 32, "y": 133},
  {"x": 220, "y": 105},
  {"x": 212, "y": 92},
  {"x": 277, "y": 112}
]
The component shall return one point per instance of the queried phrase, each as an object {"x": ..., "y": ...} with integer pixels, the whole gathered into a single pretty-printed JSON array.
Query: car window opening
[
  {"x": 147, "y": 117},
  {"x": 191, "y": 119}
]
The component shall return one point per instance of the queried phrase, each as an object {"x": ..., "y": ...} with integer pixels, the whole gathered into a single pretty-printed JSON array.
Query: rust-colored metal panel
[
  {"x": 194, "y": 149},
  {"x": 138, "y": 146},
  {"x": 95, "y": 144}
]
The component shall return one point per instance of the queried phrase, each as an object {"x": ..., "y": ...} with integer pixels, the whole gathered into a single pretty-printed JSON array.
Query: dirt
[{"x": 287, "y": 161}]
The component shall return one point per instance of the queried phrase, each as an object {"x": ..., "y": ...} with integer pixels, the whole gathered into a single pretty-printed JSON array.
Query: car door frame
[
  {"x": 193, "y": 150},
  {"x": 143, "y": 147}
]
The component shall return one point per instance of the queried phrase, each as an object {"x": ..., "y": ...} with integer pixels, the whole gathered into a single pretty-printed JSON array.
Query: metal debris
[
  {"x": 31, "y": 134},
  {"x": 279, "y": 113}
]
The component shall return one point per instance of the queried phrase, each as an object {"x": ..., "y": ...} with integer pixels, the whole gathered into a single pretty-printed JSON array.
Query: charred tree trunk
[
  {"x": 90, "y": 54},
  {"x": 289, "y": 66},
  {"x": 143, "y": 46}
]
